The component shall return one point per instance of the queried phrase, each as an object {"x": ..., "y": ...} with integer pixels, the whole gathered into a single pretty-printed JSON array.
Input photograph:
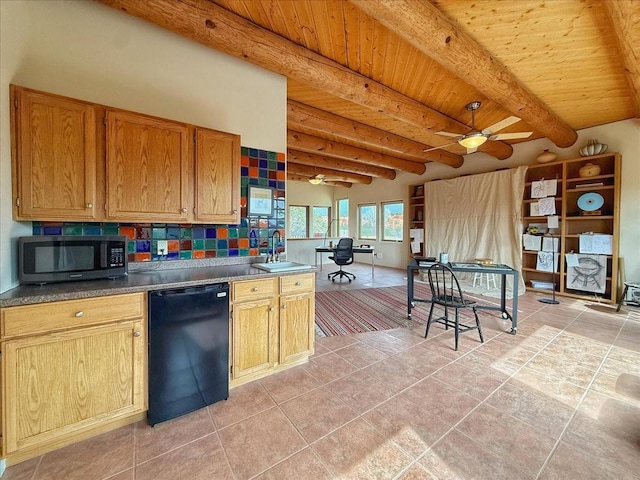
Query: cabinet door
[
  {"x": 296, "y": 327},
  {"x": 58, "y": 384},
  {"x": 255, "y": 337},
  {"x": 149, "y": 168},
  {"x": 54, "y": 158},
  {"x": 217, "y": 177}
]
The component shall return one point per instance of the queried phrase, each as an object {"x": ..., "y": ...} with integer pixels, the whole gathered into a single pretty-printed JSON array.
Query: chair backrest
[
  {"x": 344, "y": 251},
  {"x": 445, "y": 289}
]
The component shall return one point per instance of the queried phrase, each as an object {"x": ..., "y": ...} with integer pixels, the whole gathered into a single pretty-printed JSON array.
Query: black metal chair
[
  {"x": 624, "y": 293},
  {"x": 446, "y": 292},
  {"x": 343, "y": 256}
]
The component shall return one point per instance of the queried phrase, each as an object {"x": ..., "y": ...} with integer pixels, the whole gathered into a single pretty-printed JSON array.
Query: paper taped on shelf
[{"x": 596, "y": 243}]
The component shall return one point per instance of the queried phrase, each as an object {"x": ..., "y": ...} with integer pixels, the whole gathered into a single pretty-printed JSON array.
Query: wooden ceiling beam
[
  {"x": 208, "y": 24},
  {"x": 339, "y": 184},
  {"x": 301, "y": 115},
  {"x": 625, "y": 18},
  {"x": 426, "y": 28},
  {"x": 331, "y": 175},
  {"x": 308, "y": 143},
  {"x": 314, "y": 159}
]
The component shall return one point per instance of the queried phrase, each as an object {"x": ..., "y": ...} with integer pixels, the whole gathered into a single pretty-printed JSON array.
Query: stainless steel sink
[{"x": 280, "y": 266}]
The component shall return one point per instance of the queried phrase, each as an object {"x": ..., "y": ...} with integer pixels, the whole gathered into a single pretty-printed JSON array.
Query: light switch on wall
[{"x": 162, "y": 248}]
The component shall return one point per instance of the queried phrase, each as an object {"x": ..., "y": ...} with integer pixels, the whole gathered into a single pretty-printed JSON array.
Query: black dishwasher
[{"x": 188, "y": 350}]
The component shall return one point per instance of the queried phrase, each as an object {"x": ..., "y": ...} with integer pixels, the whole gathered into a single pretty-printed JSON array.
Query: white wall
[
  {"x": 623, "y": 137},
  {"x": 92, "y": 52}
]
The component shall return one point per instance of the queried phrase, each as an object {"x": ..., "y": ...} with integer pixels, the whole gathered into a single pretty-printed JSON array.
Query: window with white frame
[
  {"x": 343, "y": 217},
  {"x": 298, "y": 222},
  {"x": 392, "y": 221},
  {"x": 367, "y": 224},
  {"x": 320, "y": 221}
]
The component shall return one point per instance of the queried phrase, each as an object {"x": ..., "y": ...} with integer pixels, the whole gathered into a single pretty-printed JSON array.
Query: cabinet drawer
[
  {"x": 296, "y": 283},
  {"x": 45, "y": 317},
  {"x": 253, "y": 289}
]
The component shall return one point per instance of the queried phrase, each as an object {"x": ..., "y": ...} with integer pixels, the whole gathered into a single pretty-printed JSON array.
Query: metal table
[
  {"x": 502, "y": 270},
  {"x": 321, "y": 249}
]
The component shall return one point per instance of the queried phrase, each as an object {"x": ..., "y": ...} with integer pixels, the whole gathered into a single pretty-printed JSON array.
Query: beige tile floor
[{"x": 559, "y": 400}]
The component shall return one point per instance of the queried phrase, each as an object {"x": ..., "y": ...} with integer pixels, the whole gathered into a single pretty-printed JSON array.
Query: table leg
[
  {"x": 373, "y": 259},
  {"x": 514, "y": 305},
  {"x": 319, "y": 253},
  {"x": 409, "y": 292},
  {"x": 503, "y": 293}
]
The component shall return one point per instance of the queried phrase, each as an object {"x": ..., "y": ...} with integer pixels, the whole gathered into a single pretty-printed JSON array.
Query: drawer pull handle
[
  {"x": 254, "y": 289},
  {"x": 89, "y": 205},
  {"x": 137, "y": 333},
  {"x": 79, "y": 313},
  {"x": 271, "y": 309},
  {"x": 298, "y": 284},
  {"x": 284, "y": 307},
  {"x": 184, "y": 210}
]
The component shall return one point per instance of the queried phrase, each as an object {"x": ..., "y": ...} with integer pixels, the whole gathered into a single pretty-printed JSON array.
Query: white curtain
[{"x": 477, "y": 216}]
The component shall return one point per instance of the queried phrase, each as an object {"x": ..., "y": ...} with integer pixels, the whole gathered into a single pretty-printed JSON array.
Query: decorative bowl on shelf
[
  {"x": 546, "y": 156},
  {"x": 593, "y": 147},
  {"x": 589, "y": 170}
]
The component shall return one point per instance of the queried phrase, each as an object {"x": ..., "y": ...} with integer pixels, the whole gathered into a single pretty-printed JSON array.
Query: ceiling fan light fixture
[
  {"x": 472, "y": 140},
  {"x": 315, "y": 181}
]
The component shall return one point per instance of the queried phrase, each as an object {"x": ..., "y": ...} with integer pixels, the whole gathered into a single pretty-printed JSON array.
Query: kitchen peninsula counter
[{"x": 143, "y": 277}]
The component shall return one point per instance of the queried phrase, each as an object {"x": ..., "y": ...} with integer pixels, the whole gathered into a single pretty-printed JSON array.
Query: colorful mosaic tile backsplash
[{"x": 185, "y": 241}]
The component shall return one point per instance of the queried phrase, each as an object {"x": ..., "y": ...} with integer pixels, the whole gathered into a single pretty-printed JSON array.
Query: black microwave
[{"x": 46, "y": 259}]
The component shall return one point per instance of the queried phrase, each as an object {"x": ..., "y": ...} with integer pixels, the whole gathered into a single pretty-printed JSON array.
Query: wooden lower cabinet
[
  {"x": 65, "y": 385},
  {"x": 273, "y": 332},
  {"x": 254, "y": 337},
  {"x": 297, "y": 318},
  {"x": 296, "y": 327}
]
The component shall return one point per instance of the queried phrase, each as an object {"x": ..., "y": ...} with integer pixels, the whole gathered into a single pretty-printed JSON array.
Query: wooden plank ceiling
[{"x": 371, "y": 82}]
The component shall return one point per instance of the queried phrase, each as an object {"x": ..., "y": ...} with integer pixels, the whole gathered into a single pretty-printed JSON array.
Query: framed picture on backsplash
[{"x": 259, "y": 201}]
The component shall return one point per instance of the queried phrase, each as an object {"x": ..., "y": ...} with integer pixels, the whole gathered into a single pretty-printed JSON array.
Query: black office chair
[
  {"x": 343, "y": 256},
  {"x": 446, "y": 292}
]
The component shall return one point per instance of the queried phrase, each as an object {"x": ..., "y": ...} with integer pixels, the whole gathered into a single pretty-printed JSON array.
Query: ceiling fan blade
[
  {"x": 501, "y": 124},
  {"x": 449, "y": 134},
  {"x": 441, "y": 146},
  {"x": 510, "y": 136}
]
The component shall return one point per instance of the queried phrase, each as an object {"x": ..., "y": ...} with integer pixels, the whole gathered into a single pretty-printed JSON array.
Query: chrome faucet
[{"x": 275, "y": 256}]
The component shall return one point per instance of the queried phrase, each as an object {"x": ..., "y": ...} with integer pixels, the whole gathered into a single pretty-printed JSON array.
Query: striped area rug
[{"x": 366, "y": 310}]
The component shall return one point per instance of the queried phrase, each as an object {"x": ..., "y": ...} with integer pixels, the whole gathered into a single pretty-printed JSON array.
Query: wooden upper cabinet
[
  {"x": 217, "y": 177},
  {"x": 79, "y": 161},
  {"x": 54, "y": 157},
  {"x": 148, "y": 168}
]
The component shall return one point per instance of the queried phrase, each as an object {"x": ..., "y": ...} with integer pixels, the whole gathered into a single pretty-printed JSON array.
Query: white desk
[{"x": 321, "y": 249}]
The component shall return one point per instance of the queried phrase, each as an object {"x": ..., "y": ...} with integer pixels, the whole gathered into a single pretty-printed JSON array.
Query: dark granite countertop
[{"x": 155, "y": 276}]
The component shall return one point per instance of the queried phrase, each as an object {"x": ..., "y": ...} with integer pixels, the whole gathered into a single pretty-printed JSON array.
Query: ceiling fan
[
  {"x": 317, "y": 179},
  {"x": 472, "y": 140}
]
